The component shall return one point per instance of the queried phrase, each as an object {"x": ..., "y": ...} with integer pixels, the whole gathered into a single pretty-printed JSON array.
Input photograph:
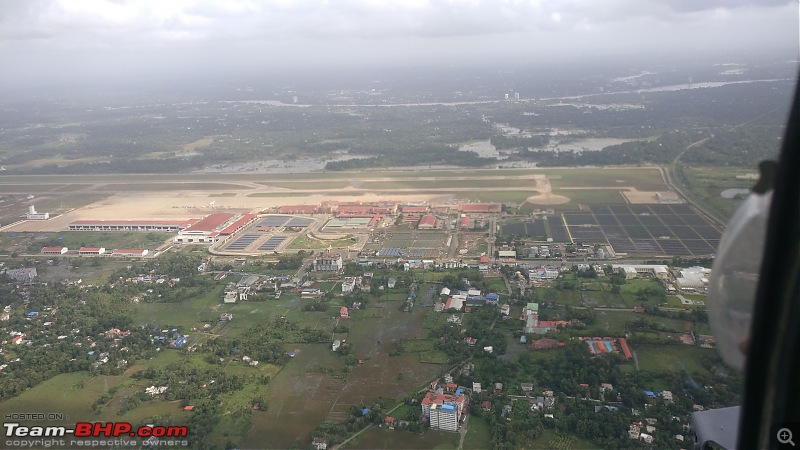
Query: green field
[
  {"x": 706, "y": 184},
  {"x": 394, "y": 439},
  {"x": 675, "y": 302},
  {"x": 304, "y": 242},
  {"x": 510, "y": 196},
  {"x": 643, "y": 178},
  {"x": 73, "y": 240},
  {"x": 479, "y": 435},
  {"x": 672, "y": 358}
]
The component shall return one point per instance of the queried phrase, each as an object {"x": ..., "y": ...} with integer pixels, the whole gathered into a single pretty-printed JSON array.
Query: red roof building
[
  {"x": 239, "y": 224},
  {"x": 624, "y": 346},
  {"x": 484, "y": 259},
  {"x": 209, "y": 223},
  {"x": 298, "y": 209},
  {"x": 408, "y": 209},
  {"x": 343, "y": 313},
  {"x": 427, "y": 222},
  {"x": 481, "y": 208},
  {"x": 91, "y": 251}
]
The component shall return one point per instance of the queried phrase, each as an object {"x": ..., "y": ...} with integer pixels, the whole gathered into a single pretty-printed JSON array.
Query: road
[{"x": 669, "y": 177}]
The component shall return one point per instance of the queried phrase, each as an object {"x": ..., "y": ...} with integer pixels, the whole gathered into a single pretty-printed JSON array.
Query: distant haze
[{"x": 52, "y": 43}]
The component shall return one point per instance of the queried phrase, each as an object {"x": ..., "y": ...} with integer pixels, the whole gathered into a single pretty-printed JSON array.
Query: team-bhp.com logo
[{"x": 96, "y": 429}]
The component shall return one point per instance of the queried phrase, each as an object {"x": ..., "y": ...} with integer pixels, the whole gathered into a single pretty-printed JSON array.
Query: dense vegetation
[{"x": 745, "y": 120}]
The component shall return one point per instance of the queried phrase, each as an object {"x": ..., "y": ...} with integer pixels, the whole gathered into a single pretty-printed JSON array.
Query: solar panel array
[
  {"x": 390, "y": 252},
  {"x": 299, "y": 222},
  {"x": 658, "y": 229},
  {"x": 243, "y": 242},
  {"x": 273, "y": 221},
  {"x": 272, "y": 243},
  {"x": 655, "y": 229}
]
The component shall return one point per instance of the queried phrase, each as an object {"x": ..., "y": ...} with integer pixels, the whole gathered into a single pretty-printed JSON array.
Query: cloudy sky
[{"x": 43, "y": 41}]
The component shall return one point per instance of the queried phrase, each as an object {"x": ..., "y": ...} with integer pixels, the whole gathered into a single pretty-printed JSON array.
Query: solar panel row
[
  {"x": 273, "y": 221},
  {"x": 299, "y": 222},
  {"x": 243, "y": 242},
  {"x": 272, "y": 243},
  {"x": 659, "y": 229}
]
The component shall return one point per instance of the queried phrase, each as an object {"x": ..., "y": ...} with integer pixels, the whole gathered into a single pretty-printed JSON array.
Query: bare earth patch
[{"x": 548, "y": 198}]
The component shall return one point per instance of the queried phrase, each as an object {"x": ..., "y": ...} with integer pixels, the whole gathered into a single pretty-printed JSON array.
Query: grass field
[
  {"x": 433, "y": 357},
  {"x": 384, "y": 438},
  {"x": 304, "y": 242},
  {"x": 551, "y": 440},
  {"x": 675, "y": 302},
  {"x": 479, "y": 435},
  {"x": 63, "y": 394},
  {"x": 511, "y": 183},
  {"x": 644, "y": 178},
  {"x": 707, "y": 183},
  {"x": 108, "y": 240},
  {"x": 672, "y": 358},
  {"x": 511, "y": 196},
  {"x": 307, "y": 184},
  {"x": 165, "y": 186}
]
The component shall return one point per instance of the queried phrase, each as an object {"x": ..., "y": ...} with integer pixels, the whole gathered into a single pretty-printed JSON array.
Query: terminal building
[
  {"x": 130, "y": 225},
  {"x": 213, "y": 227}
]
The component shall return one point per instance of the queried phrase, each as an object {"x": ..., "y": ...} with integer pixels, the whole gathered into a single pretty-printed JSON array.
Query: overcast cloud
[{"x": 45, "y": 39}]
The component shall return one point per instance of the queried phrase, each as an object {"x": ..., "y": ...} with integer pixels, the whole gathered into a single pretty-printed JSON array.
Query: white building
[
  {"x": 667, "y": 197},
  {"x": 33, "y": 215},
  {"x": 231, "y": 295},
  {"x": 693, "y": 277},
  {"x": 54, "y": 250},
  {"x": 543, "y": 273},
  {"x": 635, "y": 270},
  {"x": 349, "y": 284},
  {"x": 328, "y": 262},
  {"x": 444, "y": 417}
]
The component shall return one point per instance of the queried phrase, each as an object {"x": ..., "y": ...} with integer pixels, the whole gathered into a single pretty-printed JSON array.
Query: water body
[
  {"x": 484, "y": 149},
  {"x": 732, "y": 193}
]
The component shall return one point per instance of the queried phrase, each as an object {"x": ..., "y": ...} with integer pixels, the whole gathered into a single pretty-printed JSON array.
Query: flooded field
[
  {"x": 484, "y": 149},
  {"x": 301, "y": 396},
  {"x": 585, "y": 145}
]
